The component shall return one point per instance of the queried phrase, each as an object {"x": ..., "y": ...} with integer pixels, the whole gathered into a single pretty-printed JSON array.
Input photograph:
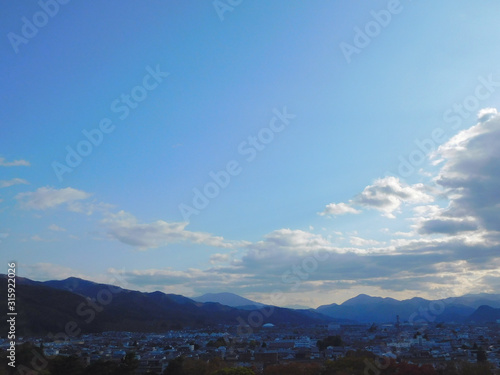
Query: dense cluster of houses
[{"x": 426, "y": 344}]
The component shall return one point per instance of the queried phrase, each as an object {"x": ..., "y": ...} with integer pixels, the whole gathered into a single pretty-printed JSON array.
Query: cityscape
[{"x": 430, "y": 337}]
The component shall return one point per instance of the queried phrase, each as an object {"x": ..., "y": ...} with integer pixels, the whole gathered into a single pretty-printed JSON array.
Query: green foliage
[
  {"x": 128, "y": 364},
  {"x": 294, "y": 369},
  {"x": 348, "y": 365},
  {"x": 102, "y": 368},
  {"x": 189, "y": 366},
  {"x": 412, "y": 369},
  {"x": 66, "y": 365},
  {"x": 175, "y": 367},
  {"x": 29, "y": 356},
  {"x": 234, "y": 371},
  {"x": 481, "y": 355},
  {"x": 466, "y": 368},
  {"x": 363, "y": 366}
]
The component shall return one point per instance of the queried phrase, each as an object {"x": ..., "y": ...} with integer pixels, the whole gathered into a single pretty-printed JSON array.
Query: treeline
[
  {"x": 367, "y": 366},
  {"x": 31, "y": 361}
]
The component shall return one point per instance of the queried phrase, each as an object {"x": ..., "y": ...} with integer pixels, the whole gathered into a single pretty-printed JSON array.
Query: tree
[
  {"x": 294, "y": 369},
  {"x": 175, "y": 367},
  {"x": 196, "y": 367},
  {"x": 466, "y": 368},
  {"x": 329, "y": 341},
  {"x": 101, "y": 368},
  {"x": 351, "y": 366},
  {"x": 412, "y": 369},
  {"x": 481, "y": 355},
  {"x": 217, "y": 343},
  {"x": 234, "y": 371},
  {"x": 66, "y": 365},
  {"x": 128, "y": 365}
]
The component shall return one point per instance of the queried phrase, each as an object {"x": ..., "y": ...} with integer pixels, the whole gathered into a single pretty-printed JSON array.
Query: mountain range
[
  {"x": 78, "y": 306},
  {"x": 364, "y": 308},
  {"x": 228, "y": 299}
]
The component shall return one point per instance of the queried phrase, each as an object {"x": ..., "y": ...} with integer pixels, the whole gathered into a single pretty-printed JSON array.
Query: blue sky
[{"x": 313, "y": 134}]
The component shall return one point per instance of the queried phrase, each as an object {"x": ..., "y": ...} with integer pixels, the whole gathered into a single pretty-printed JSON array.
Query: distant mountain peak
[
  {"x": 485, "y": 314},
  {"x": 362, "y": 299},
  {"x": 227, "y": 298}
]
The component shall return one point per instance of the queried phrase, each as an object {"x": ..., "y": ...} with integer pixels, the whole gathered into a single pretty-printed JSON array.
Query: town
[{"x": 320, "y": 349}]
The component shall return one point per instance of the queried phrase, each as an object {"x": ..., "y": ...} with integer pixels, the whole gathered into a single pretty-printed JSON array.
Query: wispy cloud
[
  {"x": 339, "y": 209},
  {"x": 14, "y": 181},
  {"x": 125, "y": 228},
  {"x": 15, "y": 163},
  {"x": 56, "y": 228},
  {"x": 38, "y": 238},
  {"x": 47, "y": 197}
]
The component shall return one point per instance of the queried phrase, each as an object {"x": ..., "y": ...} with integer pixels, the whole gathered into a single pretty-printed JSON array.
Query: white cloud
[
  {"x": 286, "y": 260},
  {"x": 358, "y": 241},
  {"x": 405, "y": 234},
  {"x": 88, "y": 208},
  {"x": 14, "y": 181},
  {"x": 56, "y": 228},
  {"x": 339, "y": 209},
  {"x": 15, "y": 163},
  {"x": 49, "y": 271},
  {"x": 486, "y": 113},
  {"x": 37, "y": 238},
  {"x": 385, "y": 195},
  {"x": 388, "y": 193},
  {"x": 46, "y": 197},
  {"x": 125, "y": 227},
  {"x": 220, "y": 258},
  {"x": 470, "y": 175},
  {"x": 188, "y": 282},
  {"x": 290, "y": 241}
]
